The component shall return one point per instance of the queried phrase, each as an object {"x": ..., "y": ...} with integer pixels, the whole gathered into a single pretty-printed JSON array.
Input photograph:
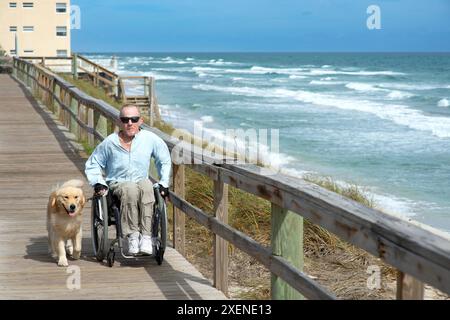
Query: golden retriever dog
[{"x": 64, "y": 219}]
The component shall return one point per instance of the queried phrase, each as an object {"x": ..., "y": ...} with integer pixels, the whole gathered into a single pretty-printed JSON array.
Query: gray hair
[{"x": 129, "y": 105}]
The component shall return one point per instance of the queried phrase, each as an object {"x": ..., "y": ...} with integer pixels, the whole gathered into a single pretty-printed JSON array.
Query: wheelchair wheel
[
  {"x": 159, "y": 228},
  {"x": 99, "y": 227}
]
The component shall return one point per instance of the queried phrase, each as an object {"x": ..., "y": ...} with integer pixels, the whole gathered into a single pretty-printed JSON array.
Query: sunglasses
[{"x": 133, "y": 119}]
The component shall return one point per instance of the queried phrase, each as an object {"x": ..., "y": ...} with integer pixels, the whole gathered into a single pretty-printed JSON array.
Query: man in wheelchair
[{"x": 120, "y": 164}]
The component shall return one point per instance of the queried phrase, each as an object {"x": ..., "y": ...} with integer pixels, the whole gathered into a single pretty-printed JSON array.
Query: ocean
[{"x": 380, "y": 121}]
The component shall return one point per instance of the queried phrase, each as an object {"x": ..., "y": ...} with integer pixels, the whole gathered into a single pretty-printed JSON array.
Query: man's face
[{"x": 130, "y": 129}]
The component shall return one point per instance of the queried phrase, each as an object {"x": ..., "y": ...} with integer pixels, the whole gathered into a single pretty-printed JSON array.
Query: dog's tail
[{"x": 73, "y": 183}]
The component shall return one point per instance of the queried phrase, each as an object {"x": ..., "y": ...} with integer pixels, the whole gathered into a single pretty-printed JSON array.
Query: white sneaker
[
  {"x": 133, "y": 243},
  {"x": 146, "y": 245}
]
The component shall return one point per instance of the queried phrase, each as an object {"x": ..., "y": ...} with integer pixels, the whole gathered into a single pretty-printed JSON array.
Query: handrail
[
  {"x": 110, "y": 73},
  {"x": 412, "y": 249}
]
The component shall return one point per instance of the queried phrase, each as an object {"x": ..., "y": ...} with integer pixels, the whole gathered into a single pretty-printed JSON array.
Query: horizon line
[{"x": 176, "y": 51}]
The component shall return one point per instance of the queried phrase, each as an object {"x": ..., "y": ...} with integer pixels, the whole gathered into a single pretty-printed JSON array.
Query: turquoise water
[{"x": 381, "y": 121}]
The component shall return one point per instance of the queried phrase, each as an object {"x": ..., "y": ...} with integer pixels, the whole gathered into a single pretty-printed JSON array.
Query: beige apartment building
[{"x": 39, "y": 28}]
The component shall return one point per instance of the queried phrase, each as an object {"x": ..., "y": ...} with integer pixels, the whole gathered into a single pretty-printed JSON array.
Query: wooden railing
[
  {"x": 420, "y": 255},
  {"x": 99, "y": 75}
]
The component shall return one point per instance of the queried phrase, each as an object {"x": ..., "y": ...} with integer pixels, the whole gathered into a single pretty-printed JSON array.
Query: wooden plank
[
  {"x": 178, "y": 215},
  {"x": 75, "y": 66},
  {"x": 408, "y": 288},
  {"x": 220, "y": 245},
  {"x": 287, "y": 242}
]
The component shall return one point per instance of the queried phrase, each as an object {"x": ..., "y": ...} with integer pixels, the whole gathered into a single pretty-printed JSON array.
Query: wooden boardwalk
[{"x": 35, "y": 155}]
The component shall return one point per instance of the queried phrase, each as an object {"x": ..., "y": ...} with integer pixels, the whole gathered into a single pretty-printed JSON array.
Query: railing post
[
  {"x": 56, "y": 106},
  {"x": 409, "y": 288},
  {"x": 75, "y": 66},
  {"x": 146, "y": 84},
  {"x": 220, "y": 245},
  {"x": 74, "y": 127},
  {"x": 82, "y": 115},
  {"x": 287, "y": 242},
  {"x": 90, "y": 123},
  {"x": 178, "y": 215},
  {"x": 100, "y": 124},
  {"x": 150, "y": 94}
]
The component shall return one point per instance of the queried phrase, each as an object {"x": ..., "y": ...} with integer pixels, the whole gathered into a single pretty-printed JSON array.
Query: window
[
  {"x": 61, "y": 53},
  {"x": 28, "y": 51},
  {"x": 28, "y": 4},
  {"x": 61, "y": 7},
  {"x": 61, "y": 31},
  {"x": 13, "y": 4},
  {"x": 28, "y": 29},
  {"x": 12, "y": 28},
  {"x": 12, "y": 51}
]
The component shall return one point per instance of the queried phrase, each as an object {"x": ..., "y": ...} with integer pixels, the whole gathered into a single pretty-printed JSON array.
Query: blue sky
[{"x": 260, "y": 25}]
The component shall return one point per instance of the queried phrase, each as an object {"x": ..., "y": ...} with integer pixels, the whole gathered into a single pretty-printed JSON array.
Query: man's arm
[
  {"x": 96, "y": 164},
  {"x": 162, "y": 160}
]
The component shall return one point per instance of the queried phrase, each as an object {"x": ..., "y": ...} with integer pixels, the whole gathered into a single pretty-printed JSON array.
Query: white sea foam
[
  {"x": 398, "y": 95},
  {"x": 443, "y": 103},
  {"x": 358, "y": 86},
  {"x": 366, "y": 87},
  {"x": 207, "y": 119},
  {"x": 161, "y": 77},
  {"x": 325, "y": 83},
  {"x": 255, "y": 151},
  {"x": 407, "y": 86},
  {"x": 321, "y": 72},
  {"x": 399, "y": 114},
  {"x": 293, "y": 76}
]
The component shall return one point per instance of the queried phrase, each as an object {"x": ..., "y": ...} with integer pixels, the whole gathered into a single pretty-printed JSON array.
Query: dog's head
[{"x": 70, "y": 199}]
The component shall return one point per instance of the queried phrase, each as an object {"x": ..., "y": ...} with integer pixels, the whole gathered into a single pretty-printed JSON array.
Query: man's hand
[
  {"x": 100, "y": 189},
  {"x": 164, "y": 192}
]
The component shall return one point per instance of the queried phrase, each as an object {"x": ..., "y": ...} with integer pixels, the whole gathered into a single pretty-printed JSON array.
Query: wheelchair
[{"x": 105, "y": 212}]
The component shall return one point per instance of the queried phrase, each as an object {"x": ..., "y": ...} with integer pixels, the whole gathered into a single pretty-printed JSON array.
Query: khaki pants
[{"x": 136, "y": 208}]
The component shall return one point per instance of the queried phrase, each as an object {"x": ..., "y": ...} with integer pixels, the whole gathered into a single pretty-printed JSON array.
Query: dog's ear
[
  {"x": 52, "y": 200},
  {"x": 82, "y": 200}
]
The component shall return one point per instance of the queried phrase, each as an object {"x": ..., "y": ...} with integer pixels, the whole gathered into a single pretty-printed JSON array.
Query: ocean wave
[
  {"x": 399, "y": 114},
  {"x": 256, "y": 151},
  {"x": 443, "y": 103},
  {"x": 325, "y": 83},
  {"x": 265, "y": 70},
  {"x": 358, "y": 86},
  {"x": 391, "y": 94},
  {"x": 294, "y": 76},
  {"x": 406, "y": 86},
  {"x": 398, "y": 95},
  {"x": 321, "y": 72},
  {"x": 207, "y": 119},
  {"x": 161, "y": 77}
]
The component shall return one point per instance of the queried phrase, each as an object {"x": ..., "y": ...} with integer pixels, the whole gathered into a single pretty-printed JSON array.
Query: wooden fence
[{"x": 420, "y": 255}]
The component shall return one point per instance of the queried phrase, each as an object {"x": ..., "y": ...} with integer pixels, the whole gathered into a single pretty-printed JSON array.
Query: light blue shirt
[{"x": 120, "y": 165}]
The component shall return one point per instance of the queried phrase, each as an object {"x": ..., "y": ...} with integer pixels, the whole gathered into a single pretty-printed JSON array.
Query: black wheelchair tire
[
  {"x": 99, "y": 228},
  {"x": 160, "y": 233}
]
